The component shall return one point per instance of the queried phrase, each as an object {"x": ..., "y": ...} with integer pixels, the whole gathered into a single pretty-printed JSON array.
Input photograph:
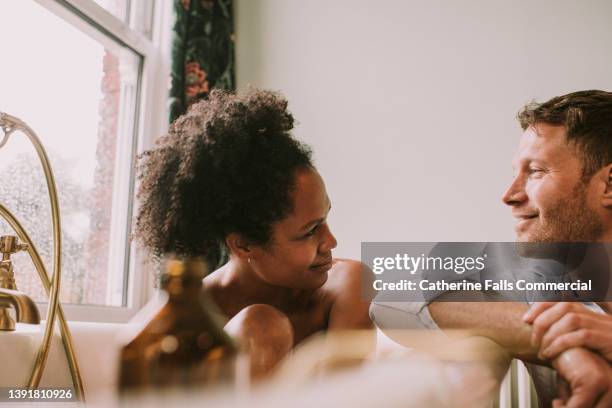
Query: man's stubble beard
[{"x": 569, "y": 221}]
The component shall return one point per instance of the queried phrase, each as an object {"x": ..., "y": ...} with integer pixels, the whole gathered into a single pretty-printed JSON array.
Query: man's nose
[
  {"x": 329, "y": 241},
  {"x": 515, "y": 194}
]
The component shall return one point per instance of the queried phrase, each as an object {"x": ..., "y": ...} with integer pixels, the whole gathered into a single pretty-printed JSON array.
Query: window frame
[{"x": 150, "y": 121}]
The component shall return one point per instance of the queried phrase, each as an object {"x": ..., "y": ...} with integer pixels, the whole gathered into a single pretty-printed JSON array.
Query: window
[{"x": 88, "y": 77}]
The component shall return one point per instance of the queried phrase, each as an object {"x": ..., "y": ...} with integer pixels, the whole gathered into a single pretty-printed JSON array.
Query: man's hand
[
  {"x": 560, "y": 326},
  {"x": 588, "y": 380}
]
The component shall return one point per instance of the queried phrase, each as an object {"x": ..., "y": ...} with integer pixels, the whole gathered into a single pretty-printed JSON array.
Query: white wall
[{"x": 410, "y": 105}]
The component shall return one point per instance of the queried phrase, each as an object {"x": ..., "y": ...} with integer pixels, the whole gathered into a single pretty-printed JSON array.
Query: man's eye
[{"x": 535, "y": 170}]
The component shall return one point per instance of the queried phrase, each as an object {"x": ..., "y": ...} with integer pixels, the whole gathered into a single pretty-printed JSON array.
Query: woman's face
[{"x": 299, "y": 254}]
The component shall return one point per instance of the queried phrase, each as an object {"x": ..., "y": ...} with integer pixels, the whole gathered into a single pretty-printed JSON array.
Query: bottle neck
[
  {"x": 182, "y": 287},
  {"x": 182, "y": 279}
]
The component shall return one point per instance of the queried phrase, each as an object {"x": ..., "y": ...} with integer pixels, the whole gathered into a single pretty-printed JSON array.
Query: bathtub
[{"x": 96, "y": 347}]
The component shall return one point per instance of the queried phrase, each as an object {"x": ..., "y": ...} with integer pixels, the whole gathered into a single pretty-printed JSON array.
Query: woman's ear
[
  {"x": 606, "y": 199},
  {"x": 238, "y": 246}
]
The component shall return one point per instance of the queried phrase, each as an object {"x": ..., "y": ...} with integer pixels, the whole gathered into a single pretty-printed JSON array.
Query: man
[{"x": 562, "y": 192}]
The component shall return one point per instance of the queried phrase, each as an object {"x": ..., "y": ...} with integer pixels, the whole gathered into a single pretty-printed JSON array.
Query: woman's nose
[{"x": 329, "y": 241}]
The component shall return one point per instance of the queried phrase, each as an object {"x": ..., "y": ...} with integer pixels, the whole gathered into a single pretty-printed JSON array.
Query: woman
[{"x": 230, "y": 174}]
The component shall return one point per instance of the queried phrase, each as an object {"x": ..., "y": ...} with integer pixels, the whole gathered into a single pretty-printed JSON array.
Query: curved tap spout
[{"x": 25, "y": 309}]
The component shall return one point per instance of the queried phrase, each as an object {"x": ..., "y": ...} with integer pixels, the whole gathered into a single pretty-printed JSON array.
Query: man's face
[{"x": 548, "y": 197}]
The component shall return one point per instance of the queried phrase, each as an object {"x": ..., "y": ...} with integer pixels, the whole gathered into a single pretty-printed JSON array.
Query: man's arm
[
  {"x": 588, "y": 379},
  {"x": 501, "y": 322}
]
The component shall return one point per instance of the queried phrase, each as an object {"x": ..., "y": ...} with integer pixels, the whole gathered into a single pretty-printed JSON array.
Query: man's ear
[
  {"x": 238, "y": 245},
  {"x": 606, "y": 199}
]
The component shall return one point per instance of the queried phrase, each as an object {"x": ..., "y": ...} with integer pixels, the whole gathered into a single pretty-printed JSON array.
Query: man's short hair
[{"x": 587, "y": 118}]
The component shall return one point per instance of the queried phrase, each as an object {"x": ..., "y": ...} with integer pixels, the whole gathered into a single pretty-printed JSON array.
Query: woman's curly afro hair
[{"x": 227, "y": 165}]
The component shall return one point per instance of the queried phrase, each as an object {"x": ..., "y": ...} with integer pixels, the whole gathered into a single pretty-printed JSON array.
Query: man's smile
[
  {"x": 524, "y": 219},
  {"x": 525, "y": 216}
]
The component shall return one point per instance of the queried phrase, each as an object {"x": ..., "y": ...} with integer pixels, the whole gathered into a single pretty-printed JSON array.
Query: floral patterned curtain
[
  {"x": 202, "y": 59},
  {"x": 202, "y": 51}
]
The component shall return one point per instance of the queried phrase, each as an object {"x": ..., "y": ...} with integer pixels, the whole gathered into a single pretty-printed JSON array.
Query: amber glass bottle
[{"x": 182, "y": 345}]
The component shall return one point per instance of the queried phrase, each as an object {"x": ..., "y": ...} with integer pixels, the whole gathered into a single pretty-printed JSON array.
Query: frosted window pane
[{"x": 79, "y": 97}]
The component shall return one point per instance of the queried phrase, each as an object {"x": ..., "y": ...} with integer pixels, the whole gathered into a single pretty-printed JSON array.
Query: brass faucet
[
  {"x": 10, "y": 297},
  {"x": 25, "y": 309}
]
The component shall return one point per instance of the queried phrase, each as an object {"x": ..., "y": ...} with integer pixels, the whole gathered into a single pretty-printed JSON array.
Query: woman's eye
[{"x": 312, "y": 231}]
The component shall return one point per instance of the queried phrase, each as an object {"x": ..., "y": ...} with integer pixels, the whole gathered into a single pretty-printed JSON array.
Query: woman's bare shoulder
[
  {"x": 345, "y": 266},
  {"x": 347, "y": 274},
  {"x": 349, "y": 283}
]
